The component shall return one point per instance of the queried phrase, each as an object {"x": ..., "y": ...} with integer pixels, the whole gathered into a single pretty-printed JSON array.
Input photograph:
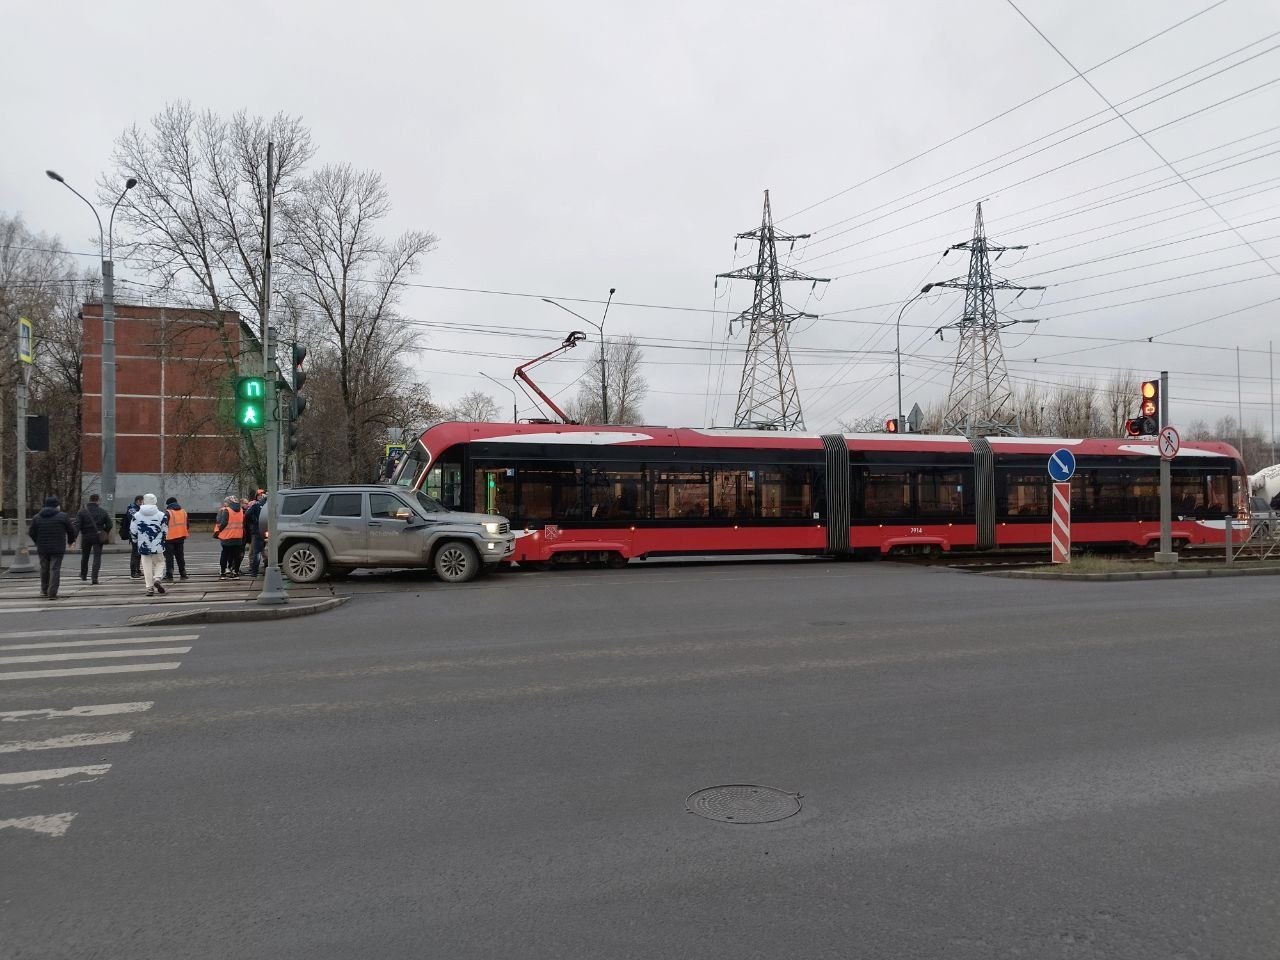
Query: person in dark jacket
[
  {"x": 52, "y": 532},
  {"x": 92, "y": 524},
  {"x": 135, "y": 558},
  {"x": 253, "y": 532}
]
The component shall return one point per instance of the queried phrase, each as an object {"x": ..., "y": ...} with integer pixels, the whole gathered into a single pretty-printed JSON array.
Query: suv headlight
[{"x": 492, "y": 528}]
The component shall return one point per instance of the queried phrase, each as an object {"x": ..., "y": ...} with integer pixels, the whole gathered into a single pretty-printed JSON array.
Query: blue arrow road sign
[{"x": 1062, "y": 465}]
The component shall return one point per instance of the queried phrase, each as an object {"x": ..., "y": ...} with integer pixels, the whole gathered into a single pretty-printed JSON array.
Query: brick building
[{"x": 175, "y": 369}]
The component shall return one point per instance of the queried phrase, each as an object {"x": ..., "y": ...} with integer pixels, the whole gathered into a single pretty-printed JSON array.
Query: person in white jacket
[{"x": 148, "y": 528}]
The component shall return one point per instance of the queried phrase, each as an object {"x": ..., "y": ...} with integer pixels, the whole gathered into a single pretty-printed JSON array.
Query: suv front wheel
[
  {"x": 457, "y": 562},
  {"x": 303, "y": 562}
]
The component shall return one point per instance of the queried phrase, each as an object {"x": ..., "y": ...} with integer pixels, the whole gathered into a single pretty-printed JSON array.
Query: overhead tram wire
[
  {"x": 1033, "y": 177},
  {"x": 1054, "y": 133},
  {"x": 1002, "y": 115},
  {"x": 1273, "y": 268}
]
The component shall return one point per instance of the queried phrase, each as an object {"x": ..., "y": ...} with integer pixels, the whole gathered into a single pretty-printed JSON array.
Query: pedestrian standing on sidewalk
[
  {"x": 93, "y": 524},
  {"x": 52, "y": 532},
  {"x": 175, "y": 541},
  {"x": 253, "y": 533},
  {"x": 135, "y": 564},
  {"x": 228, "y": 530},
  {"x": 148, "y": 529}
]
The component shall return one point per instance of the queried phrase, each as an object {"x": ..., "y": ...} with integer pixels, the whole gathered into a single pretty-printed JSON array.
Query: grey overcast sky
[{"x": 560, "y": 149}]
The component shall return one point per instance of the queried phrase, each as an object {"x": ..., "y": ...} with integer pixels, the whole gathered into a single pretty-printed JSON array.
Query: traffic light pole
[
  {"x": 1166, "y": 553},
  {"x": 272, "y": 582}
]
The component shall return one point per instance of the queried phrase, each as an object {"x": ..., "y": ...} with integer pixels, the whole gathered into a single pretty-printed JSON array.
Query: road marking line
[
  {"x": 177, "y": 638},
  {"x": 73, "y": 632},
  {"x": 89, "y": 710},
  {"x": 94, "y": 655},
  {"x": 69, "y": 741},
  {"x": 54, "y": 773},
  {"x": 53, "y": 824},
  {"x": 88, "y": 671}
]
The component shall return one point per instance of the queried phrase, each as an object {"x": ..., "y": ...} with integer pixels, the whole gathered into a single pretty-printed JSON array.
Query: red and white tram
[{"x": 620, "y": 492}]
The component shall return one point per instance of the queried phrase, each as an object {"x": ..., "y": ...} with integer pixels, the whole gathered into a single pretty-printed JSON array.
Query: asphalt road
[{"x": 989, "y": 768}]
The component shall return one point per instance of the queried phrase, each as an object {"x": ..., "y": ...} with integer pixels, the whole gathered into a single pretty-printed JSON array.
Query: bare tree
[
  {"x": 862, "y": 425},
  {"x": 475, "y": 406},
  {"x": 348, "y": 278},
  {"x": 627, "y": 385}
]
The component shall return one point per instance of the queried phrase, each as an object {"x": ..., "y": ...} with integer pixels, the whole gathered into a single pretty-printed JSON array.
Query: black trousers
[
  {"x": 175, "y": 551},
  {"x": 135, "y": 560},
  {"x": 232, "y": 556},
  {"x": 87, "y": 549},
  {"x": 50, "y": 573}
]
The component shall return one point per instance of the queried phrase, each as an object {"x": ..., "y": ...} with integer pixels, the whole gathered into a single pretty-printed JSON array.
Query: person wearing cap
[
  {"x": 228, "y": 530},
  {"x": 175, "y": 541},
  {"x": 148, "y": 528},
  {"x": 52, "y": 532},
  {"x": 253, "y": 533}
]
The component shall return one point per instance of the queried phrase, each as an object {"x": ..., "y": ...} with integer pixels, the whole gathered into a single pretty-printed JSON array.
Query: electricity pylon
[
  {"x": 981, "y": 401},
  {"x": 767, "y": 396}
]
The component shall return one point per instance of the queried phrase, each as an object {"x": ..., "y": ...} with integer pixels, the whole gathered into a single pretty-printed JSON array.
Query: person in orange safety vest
[
  {"x": 175, "y": 541},
  {"x": 228, "y": 530}
]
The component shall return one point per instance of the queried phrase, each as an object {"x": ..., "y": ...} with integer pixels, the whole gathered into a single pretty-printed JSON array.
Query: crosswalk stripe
[
  {"x": 46, "y": 644},
  {"x": 94, "y": 655},
  {"x": 55, "y": 773},
  {"x": 67, "y": 742},
  {"x": 72, "y": 632},
  {"x": 88, "y": 671},
  {"x": 88, "y": 710},
  {"x": 53, "y": 824}
]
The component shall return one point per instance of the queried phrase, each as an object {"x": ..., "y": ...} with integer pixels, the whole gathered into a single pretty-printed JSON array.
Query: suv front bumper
[{"x": 496, "y": 549}]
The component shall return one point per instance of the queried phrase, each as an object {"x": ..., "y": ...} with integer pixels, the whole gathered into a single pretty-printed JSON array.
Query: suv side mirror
[{"x": 404, "y": 513}]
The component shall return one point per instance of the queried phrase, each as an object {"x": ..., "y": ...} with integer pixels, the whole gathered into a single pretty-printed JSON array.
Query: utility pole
[
  {"x": 981, "y": 401},
  {"x": 1240, "y": 407},
  {"x": 604, "y": 364},
  {"x": 1271, "y": 374},
  {"x": 21, "y": 549},
  {"x": 1166, "y": 553},
  {"x": 767, "y": 394},
  {"x": 897, "y": 351},
  {"x": 106, "y": 251},
  {"x": 272, "y": 582}
]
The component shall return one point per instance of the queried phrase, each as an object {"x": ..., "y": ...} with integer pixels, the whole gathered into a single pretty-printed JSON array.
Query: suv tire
[
  {"x": 304, "y": 562},
  {"x": 456, "y": 562}
]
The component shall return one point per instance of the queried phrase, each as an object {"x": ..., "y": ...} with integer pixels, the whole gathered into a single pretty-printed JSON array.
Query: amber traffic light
[{"x": 891, "y": 426}]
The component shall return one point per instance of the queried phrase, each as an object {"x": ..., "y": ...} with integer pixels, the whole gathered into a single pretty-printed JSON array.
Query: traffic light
[
  {"x": 1150, "y": 403},
  {"x": 891, "y": 426},
  {"x": 251, "y": 403},
  {"x": 297, "y": 403}
]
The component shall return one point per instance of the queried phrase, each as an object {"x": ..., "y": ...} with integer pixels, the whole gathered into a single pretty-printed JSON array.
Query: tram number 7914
[{"x": 917, "y": 529}]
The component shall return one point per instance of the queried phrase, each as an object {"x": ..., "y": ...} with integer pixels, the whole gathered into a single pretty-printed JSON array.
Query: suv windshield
[{"x": 428, "y": 504}]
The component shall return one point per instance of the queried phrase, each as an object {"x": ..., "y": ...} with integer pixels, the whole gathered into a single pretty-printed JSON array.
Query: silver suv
[{"x": 337, "y": 529}]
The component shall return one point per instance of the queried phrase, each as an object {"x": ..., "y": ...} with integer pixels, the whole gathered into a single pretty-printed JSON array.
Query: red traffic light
[
  {"x": 1148, "y": 408},
  {"x": 891, "y": 426},
  {"x": 1133, "y": 428}
]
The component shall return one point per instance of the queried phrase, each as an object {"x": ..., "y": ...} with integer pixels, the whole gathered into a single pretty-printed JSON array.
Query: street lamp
[
  {"x": 106, "y": 245},
  {"x": 515, "y": 414},
  {"x": 604, "y": 366},
  {"x": 897, "y": 329}
]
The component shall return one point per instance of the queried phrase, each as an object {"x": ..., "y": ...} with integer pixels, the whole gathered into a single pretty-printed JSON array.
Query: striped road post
[{"x": 1060, "y": 535}]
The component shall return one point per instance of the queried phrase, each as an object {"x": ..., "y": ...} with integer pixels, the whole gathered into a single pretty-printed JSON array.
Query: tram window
[
  {"x": 886, "y": 493},
  {"x": 733, "y": 494},
  {"x": 615, "y": 493},
  {"x": 679, "y": 495},
  {"x": 940, "y": 492},
  {"x": 444, "y": 484},
  {"x": 1025, "y": 495},
  {"x": 787, "y": 493},
  {"x": 550, "y": 493},
  {"x": 1144, "y": 493},
  {"x": 495, "y": 491}
]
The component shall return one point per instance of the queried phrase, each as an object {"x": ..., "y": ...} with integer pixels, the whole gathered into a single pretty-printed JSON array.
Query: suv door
[
  {"x": 343, "y": 522},
  {"x": 392, "y": 541}
]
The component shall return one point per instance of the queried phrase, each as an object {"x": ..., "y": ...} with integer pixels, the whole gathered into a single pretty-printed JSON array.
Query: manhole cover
[{"x": 743, "y": 803}]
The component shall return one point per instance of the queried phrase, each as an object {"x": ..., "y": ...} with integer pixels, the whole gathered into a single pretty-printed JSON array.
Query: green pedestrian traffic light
[{"x": 251, "y": 403}]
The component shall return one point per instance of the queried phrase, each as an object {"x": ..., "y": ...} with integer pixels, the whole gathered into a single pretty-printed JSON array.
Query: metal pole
[
  {"x": 272, "y": 582},
  {"x": 604, "y": 362},
  {"x": 21, "y": 548},
  {"x": 1271, "y": 372},
  {"x": 897, "y": 353},
  {"x": 1166, "y": 553},
  {"x": 1240, "y": 407},
  {"x": 108, "y": 477},
  {"x": 515, "y": 413}
]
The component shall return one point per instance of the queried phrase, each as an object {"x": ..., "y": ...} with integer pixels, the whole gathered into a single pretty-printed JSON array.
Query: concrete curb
[
  {"x": 246, "y": 614},
  {"x": 1195, "y": 574}
]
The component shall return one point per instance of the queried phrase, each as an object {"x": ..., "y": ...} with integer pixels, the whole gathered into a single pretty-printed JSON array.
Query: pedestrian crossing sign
[
  {"x": 251, "y": 403},
  {"x": 26, "y": 340}
]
